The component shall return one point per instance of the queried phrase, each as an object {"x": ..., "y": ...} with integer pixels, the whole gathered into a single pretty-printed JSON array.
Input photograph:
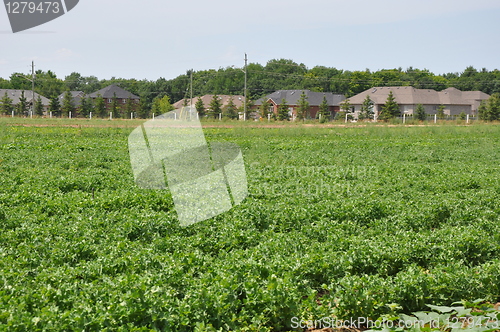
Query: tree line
[{"x": 277, "y": 74}]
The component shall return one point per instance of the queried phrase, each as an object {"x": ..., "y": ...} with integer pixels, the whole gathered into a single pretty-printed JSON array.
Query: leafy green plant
[{"x": 476, "y": 316}]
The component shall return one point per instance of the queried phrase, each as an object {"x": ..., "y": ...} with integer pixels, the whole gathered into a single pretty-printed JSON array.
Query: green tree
[
  {"x": 215, "y": 107},
  {"x": 264, "y": 108},
  {"x": 67, "y": 104},
  {"x": 420, "y": 113},
  {"x": 324, "y": 110},
  {"x": 115, "y": 107},
  {"x": 440, "y": 112},
  {"x": 100, "y": 106},
  {"x": 6, "y": 105},
  {"x": 162, "y": 105},
  {"x": 304, "y": 107},
  {"x": 283, "y": 111},
  {"x": 390, "y": 109},
  {"x": 200, "y": 107},
  {"x": 130, "y": 106},
  {"x": 490, "y": 110},
  {"x": 144, "y": 111},
  {"x": 230, "y": 110},
  {"x": 85, "y": 106},
  {"x": 55, "y": 106},
  {"x": 39, "y": 106},
  {"x": 22, "y": 106},
  {"x": 366, "y": 111},
  {"x": 345, "y": 105}
]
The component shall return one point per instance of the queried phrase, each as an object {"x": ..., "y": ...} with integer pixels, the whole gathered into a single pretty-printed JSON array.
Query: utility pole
[
  {"x": 191, "y": 92},
  {"x": 245, "y": 101},
  {"x": 32, "y": 87}
]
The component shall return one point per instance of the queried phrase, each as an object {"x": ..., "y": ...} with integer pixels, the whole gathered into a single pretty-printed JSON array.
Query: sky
[{"x": 157, "y": 38}]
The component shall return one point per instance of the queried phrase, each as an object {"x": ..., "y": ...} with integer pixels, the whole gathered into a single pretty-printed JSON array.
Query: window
[
  {"x": 124, "y": 101},
  {"x": 110, "y": 100}
]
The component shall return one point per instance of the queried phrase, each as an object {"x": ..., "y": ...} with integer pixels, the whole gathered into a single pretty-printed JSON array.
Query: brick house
[
  {"x": 407, "y": 97},
  {"x": 15, "y": 95},
  {"x": 292, "y": 98},
  {"x": 112, "y": 91}
]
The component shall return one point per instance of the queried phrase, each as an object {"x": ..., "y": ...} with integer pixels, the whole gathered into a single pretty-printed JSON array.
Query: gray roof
[
  {"x": 224, "y": 99},
  {"x": 313, "y": 98},
  {"x": 76, "y": 97},
  {"x": 16, "y": 94},
  {"x": 407, "y": 95},
  {"x": 111, "y": 90}
]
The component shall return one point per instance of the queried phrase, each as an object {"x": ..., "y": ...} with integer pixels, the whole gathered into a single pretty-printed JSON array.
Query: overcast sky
[{"x": 153, "y": 39}]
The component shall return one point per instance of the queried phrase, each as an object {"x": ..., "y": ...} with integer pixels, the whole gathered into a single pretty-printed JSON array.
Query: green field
[{"x": 339, "y": 222}]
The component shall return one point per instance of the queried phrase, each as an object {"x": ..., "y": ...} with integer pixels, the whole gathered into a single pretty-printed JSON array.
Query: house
[
  {"x": 292, "y": 98},
  {"x": 453, "y": 100},
  {"x": 76, "y": 98},
  {"x": 114, "y": 91},
  {"x": 224, "y": 99},
  {"x": 15, "y": 95}
]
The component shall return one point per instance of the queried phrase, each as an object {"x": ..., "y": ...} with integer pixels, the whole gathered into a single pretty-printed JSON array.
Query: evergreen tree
[
  {"x": 130, "y": 107},
  {"x": 366, "y": 111},
  {"x": 22, "y": 106},
  {"x": 67, "y": 104},
  {"x": 283, "y": 111},
  {"x": 230, "y": 110},
  {"x": 100, "y": 107},
  {"x": 115, "y": 107},
  {"x": 200, "y": 107},
  {"x": 144, "y": 109},
  {"x": 304, "y": 107},
  {"x": 6, "y": 106},
  {"x": 345, "y": 105},
  {"x": 54, "y": 106},
  {"x": 490, "y": 110},
  {"x": 482, "y": 111},
  {"x": 494, "y": 105},
  {"x": 390, "y": 109},
  {"x": 215, "y": 107},
  {"x": 420, "y": 113},
  {"x": 39, "y": 106},
  {"x": 440, "y": 112},
  {"x": 324, "y": 110},
  {"x": 264, "y": 108},
  {"x": 85, "y": 106}
]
